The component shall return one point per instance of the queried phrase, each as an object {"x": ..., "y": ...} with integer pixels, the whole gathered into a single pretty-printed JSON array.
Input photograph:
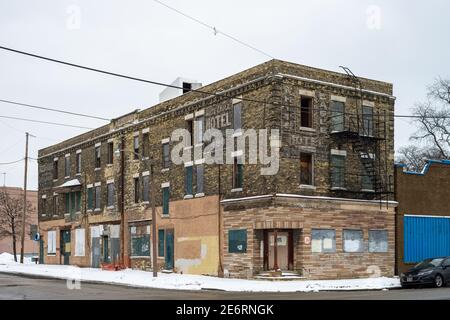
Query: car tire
[{"x": 438, "y": 281}]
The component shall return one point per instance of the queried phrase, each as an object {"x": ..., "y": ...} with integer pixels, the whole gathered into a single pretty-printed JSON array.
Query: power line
[
  {"x": 6, "y": 163},
  {"x": 53, "y": 109},
  {"x": 214, "y": 29},
  {"x": 45, "y": 122}
]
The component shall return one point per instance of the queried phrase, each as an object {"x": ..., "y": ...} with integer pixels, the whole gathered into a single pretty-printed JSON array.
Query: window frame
[
  {"x": 78, "y": 163},
  {"x": 110, "y": 195},
  {"x": 309, "y": 112},
  {"x": 361, "y": 245},
  {"x": 310, "y": 181},
  {"x": 337, "y": 127},
  {"x": 323, "y": 250},
  {"x": 165, "y": 157},
  {"x": 340, "y": 170},
  {"x": 386, "y": 233},
  {"x": 98, "y": 157},
  {"x": 110, "y": 153}
]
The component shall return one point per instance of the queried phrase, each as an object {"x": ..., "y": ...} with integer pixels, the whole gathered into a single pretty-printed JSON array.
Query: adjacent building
[
  {"x": 423, "y": 213},
  {"x": 325, "y": 212}
]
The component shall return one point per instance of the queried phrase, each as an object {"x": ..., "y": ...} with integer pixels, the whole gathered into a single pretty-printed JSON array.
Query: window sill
[
  {"x": 307, "y": 186},
  {"x": 110, "y": 207},
  {"x": 97, "y": 169},
  {"x": 66, "y": 214},
  {"x": 307, "y": 129},
  {"x": 188, "y": 196},
  {"x": 97, "y": 210},
  {"x": 55, "y": 180},
  {"x": 51, "y": 254},
  {"x": 67, "y": 177},
  {"x": 109, "y": 165},
  {"x": 78, "y": 174},
  {"x": 367, "y": 190},
  {"x": 237, "y": 133},
  {"x": 145, "y": 202},
  {"x": 165, "y": 216},
  {"x": 236, "y": 190},
  {"x": 165, "y": 170},
  {"x": 199, "y": 195},
  {"x": 338, "y": 188},
  {"x": 139, "y": 257}
]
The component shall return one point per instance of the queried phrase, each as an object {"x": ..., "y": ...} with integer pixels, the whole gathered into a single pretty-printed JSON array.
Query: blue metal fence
[{"x": 425, "y": 237}]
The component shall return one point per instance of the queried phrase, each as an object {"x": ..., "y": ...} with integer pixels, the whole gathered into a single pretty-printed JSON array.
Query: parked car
[{"x": 434, "y": 271}]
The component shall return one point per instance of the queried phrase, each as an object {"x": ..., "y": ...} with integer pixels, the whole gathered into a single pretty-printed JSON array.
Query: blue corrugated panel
[{"x": 425, "y": 237}]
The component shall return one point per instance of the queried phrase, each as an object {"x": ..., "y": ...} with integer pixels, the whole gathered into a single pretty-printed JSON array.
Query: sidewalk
[{"x": 136, "y": 278}]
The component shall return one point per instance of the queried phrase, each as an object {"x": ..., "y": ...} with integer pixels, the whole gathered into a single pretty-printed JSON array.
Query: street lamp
[{"x": 120, "y": 153}]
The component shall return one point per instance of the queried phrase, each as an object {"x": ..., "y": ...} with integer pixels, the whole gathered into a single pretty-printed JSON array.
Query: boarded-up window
[
  {"x": 67, "y": 166},
  {"x": 51, "y": 242},
  {"x": 199, "y": 178},
  {"x": 165, "y": 200},
  {"x": 111, "y": 194},
  {"x": 140, "y": 240},
  {"x": 323, "y": 240},
  {"x": 237, "y": 241},
  {"x": 98, "y": 197},
  {"x": 337, "y": 171},
  {"x": 188, "y": 180},
  {"x": 79, "y": 242},
  {"x": 306, "y": 104},
  {"x": 110, "y": 152},
  {"x": 161, "y": 235},
  {"x": 145, "y": 188},
  {"x": 337, "y": 116},
  {"x": 353, "y": 241},
  {"x": 166, "y": 155},
  {"x": 237, "y": 117},
  {"x": 90, "y": 198},
  {"x": 378, "y": 241},
  {"x": 306, "y": 171}
]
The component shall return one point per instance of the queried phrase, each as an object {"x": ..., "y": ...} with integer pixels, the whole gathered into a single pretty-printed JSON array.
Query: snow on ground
[
  {"x": 138, "y": 278},
  {"x": 6, "y": 258}
]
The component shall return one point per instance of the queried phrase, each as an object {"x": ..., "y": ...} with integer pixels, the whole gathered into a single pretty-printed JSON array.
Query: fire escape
[{"x": 367, "y": 133}]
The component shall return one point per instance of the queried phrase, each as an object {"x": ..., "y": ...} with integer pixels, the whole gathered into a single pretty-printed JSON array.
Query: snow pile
[
  {"x": 6, "y": 258},
  {"x": 144, "y": 279}
]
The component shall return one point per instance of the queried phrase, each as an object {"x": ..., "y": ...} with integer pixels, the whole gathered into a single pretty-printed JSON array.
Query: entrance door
[
  {"x": 106, "y": 256},
  {"x": 169, "y": 249},
  {"x": 65, "y": 246},
  {"x": 96, "y": 252},
  {"x": 284, "y": 249}
]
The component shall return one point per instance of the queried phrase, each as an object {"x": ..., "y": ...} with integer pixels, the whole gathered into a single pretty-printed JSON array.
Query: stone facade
[{"x": 270, "y": 95}]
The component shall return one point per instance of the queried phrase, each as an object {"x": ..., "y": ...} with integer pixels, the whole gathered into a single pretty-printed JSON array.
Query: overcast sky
[{"x": 402, "y": 42}]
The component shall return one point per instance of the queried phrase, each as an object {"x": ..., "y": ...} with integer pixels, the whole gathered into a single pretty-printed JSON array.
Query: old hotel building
[{"x": 327, "y": 213}]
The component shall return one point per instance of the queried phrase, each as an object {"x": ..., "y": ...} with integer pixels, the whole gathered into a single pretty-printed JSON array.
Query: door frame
[
  {"x": 166, "y": 255},
  {"x": 62, "y": 251},
  {"x": 266, "y": 248}
]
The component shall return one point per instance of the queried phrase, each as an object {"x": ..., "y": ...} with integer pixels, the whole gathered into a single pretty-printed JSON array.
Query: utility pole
[
  {"x": 24, "y": 198},
  {"x": 152, "y": 199}
]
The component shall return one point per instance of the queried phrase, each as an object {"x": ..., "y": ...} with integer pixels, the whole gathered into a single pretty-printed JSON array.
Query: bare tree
[
  {"x": 432, "y": 138},
  {"x": 11, "y": 210}
]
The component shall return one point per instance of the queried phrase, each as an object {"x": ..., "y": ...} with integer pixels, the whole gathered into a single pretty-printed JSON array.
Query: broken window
[
  {"x": 110, "y": 194},
  {"x": 145, "y": 145},
  {"x": 238, "y": 168},
  {"x": 78, "y": 162},
  {"x": 237, "y": 241},
  {"x": 337, "y": 116},
  {"x": 190, "y": 130},
  {"x": 110, "y": 152},
  {"x": 136, "y": 190},
  {"x": 188, "y": 180},
  {"x": 378, "y": 241},
  {"x": 165, "y": 200},
  {"x": 367, "y": 119},
  {"x": 166, "y": 155},
  {"x": 337, "y": 171},
  {"x": 140, "y": 240},
  {"x": 136, "y": 147},
  {"x": 306, "y": 112},
  {"x": 353, "y": 241},
  {"x": 323, "y": 240},
  {"x": 98, "y": 162},
  {"x": 67, "y": 166},
  {"x": 306, "y": 169},
  {"x": 55, "y": 169},
  {"x": 145, "y": 188}
]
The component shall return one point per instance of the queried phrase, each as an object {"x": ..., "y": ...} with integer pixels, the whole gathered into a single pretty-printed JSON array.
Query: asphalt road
[{"x": 18, "y": 287}]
